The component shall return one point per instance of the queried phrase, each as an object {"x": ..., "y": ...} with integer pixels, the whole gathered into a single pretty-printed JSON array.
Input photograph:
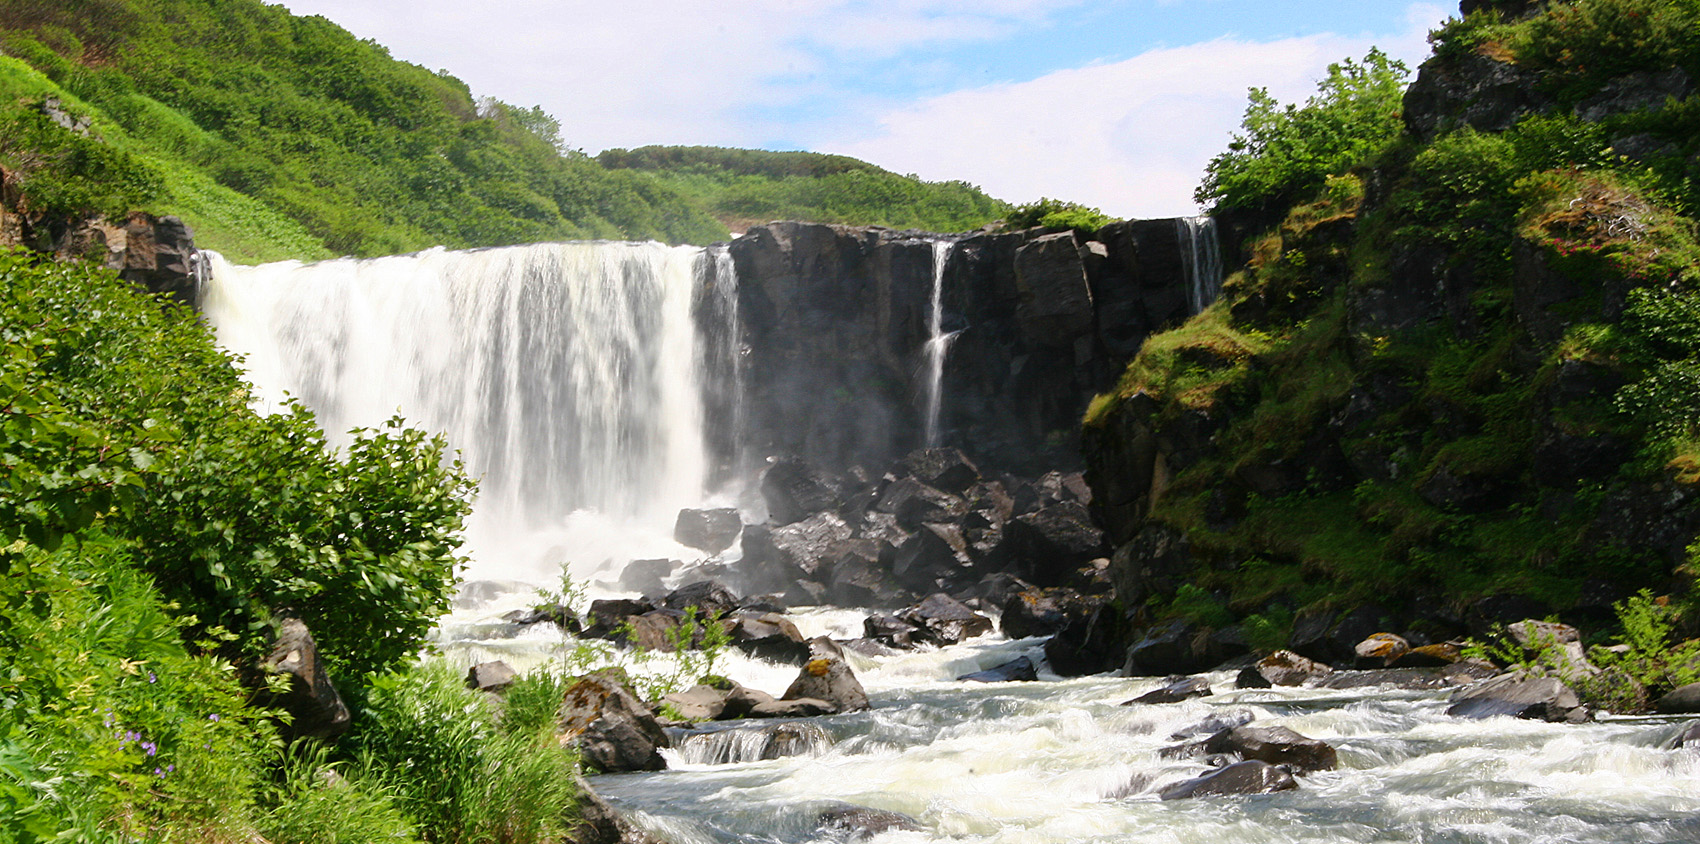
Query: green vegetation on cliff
[
  {"x": 281, "y": 136},
  {"x": 1465, "y": 365}
]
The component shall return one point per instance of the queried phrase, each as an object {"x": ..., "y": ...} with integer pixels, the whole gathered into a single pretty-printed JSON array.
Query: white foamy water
[{"x": 566, "y": 375}]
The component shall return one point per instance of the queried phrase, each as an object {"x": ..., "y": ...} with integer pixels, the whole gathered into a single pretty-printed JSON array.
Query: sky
[{"x": 1115, "y": 104}]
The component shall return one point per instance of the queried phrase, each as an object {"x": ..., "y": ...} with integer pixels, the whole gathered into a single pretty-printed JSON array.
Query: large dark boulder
[
  {"x": 316, "y": 710},
  {"x": 1239, "y": 778},
  {"x": 857, "y": 823},
  {"x": 613, "y": 730},
  {"x": 1519, "y": 696},
  {"x": 828, "y": 677},
  {"x": 1683, "y": 700},
  {"x": 708, "y": 530},
  {"x": 934, "y": 554},
  {"x": 1092, "y": 640},
  {"x": 776, "y": 557},
  {"x": 608, "y": 615},
  {"x": 1050, "y": 543},
  {"x": 1638, "y": 91},
  {"x": 1470, "y": 90},
  {"x": 914, "y": 503},
  {"x": 770, "y": 636},
  {"x": 1039, "y": 612},
  {"x": 794, "y": 490},
  {"x": 1175, "y": 690},
  {"x": 1275, "y": 745},
  {"x": 1178, "y": 647},
  {"x": 709, "y": 598},
  {"x": 490, "y": 676},
  {"x": 1018, "y": 669},
  {"x": 944, "y": 469},
  {"x": 946, "y": 620},
  {"x": 1282, "y": 668}
]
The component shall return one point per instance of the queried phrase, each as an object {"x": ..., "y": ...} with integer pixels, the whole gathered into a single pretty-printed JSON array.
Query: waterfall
[
  {"x": 1201, "y": 255},
  {"x": 720, "y": 359},
  {"x": 566, "y": 375},
  {"x": 938, "y": 342}
]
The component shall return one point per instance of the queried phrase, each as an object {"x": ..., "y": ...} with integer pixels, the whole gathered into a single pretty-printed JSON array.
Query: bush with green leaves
[
  {"x": 1056, "y": 214},
  {"x": 1284, "y": 153}
]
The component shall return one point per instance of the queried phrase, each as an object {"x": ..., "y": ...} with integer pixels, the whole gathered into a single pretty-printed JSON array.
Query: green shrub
[
  {"x": 1284, "y": 153},
  {"x": 317, "y": 803},
  {"x": 1056, "y": 214}
]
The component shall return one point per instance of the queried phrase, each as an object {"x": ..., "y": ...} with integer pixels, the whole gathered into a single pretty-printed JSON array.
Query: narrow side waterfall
[
  {"x": 1201, "y": 254},
  {"x": 566, "y": 375},
  {"x": 938, "y": 342},
  {"x": 720, "y": 365}
]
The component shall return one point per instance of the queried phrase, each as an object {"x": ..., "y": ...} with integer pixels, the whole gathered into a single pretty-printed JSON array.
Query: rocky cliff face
[
  {"x": 156, "y": 253},
  {"x": 836, "y": 319}
]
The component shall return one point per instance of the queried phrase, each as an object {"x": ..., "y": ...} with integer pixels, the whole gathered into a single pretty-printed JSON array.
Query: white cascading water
[
  {"x": 938, "y": 341},
  {"x": 1201, "y": 255},
  {"x": 564, "y": 374}
]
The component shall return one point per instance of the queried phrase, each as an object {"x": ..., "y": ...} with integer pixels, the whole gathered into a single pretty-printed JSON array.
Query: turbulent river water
[{"x": 1061, "y": 760}]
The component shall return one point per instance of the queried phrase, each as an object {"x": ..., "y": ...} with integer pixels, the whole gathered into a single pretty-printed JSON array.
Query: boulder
[
  {"x": 769, "y": 636},
  {"x": 1686, "y": 738},
  {"x": 1683, "y": 700},
  {"x": 1018, "y": 669},
  {"x": 1520, "y": 696},
  {"x": 698, "y": 703},
  {"x": 946, "y": 620},
  {"x": 709, "y": 598},
  {"x": 1174, "y": 648},
  {"x": 1432, "y": 656},
  {"x": 606, "y": 616},
  {"x": 1239, "y": 778},
  {"x": 1560, "y": 646},
  {"x": 317, "y": 709},
  {"x": 599, "y": 823},
  {"x": 490, "y": 676},
  {"x": 774, "y": 557},
  {"x": 857, "y": 823},
  {"x": 1037, "y": 612},
  {"x": 794, "y": 490},
  {"x": 645, "y": 576},
  {"x": 1215, "y": 723},
  {"x": 861, "y": 580},
  {"x": 1276, "y": 746},
  {"x": 613, "y": 730},
  {"x": 935, "y": 553},
  {"x": 1091, "y": 641},
  {"x": 752, "y": 742},
  {"x": 944, "y": 469},
  {"x": 1381, "y": 650},
  {"x": 1175, "y": 690},
  {"x": 828, "y": 677},
  {"x": 1474, "y": 90},
  {"x": 894, "y": 632},
  {"x": 802, "y": 707},
  {"x": 555, "y": 614},
  {"x": 1643, "y": 89},
  {"x": 914, "y": 503},
  {"x": 656, "y": 630},
  {"x": 1281, "y": 668},
  {"x": 1047, "y": 545},
  {"x": 1443, "y": 677},
  {"x": 708, "y": 530}
]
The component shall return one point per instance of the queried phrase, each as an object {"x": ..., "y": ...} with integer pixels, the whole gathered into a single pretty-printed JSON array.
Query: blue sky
[{"x": 1117, "y": 103}]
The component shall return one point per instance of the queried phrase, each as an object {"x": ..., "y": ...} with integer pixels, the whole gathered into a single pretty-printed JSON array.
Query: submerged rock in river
[
  {"x": 1238, "y": 778},
  {"x": 1521, "y": 696},
  {"x": 1175, "y": 690},
  {"x": 860, "y": 822},
  {"x": 828, "y": 677}
]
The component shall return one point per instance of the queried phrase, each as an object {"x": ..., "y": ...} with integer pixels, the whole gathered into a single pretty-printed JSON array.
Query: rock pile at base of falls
[{"x": 932, "y": 524}]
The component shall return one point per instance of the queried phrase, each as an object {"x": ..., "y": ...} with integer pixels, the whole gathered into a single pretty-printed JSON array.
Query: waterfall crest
[
  {"x": 567, "y": 375},
  {"x": 1201, "y": 254}
]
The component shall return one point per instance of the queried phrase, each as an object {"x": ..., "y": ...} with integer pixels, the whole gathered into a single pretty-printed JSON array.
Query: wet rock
[
  {"x": 894, "y": 632},
  {"x": 1045, "y": 546},
  {"x": 606, "y": 616},
  {"x": 1038, "y": 612},
  {"x": 803, "y": 550},
  {"x": 859, "y": 822},
  {"x": 1519, "y": 696},
  {"x": 1175, "y": 690},
  {"x": 752, "y": 742},
  {"x": 1173, "y": 648},
  {"x": 935, "y": 552},
  {"x": 1432, "y": 656},
  {"x": 1091, "y": 641},
  {"x": 645, "y": 576},
  {"x": 1683, "y": 700},
  {"x": 1018, "y": 669},
  {"x": 769, "y": 636},
  {"x": 945, "y": 469},
  {"x": 1686, "y": 738},
  {"x": 863, "y": 580},
  {"x": 599, "y": 823},
  {"x": 1215, "y": 723},
  {"x": 708, "y": 530},
  {"x": 1281, "y": 668},
  {"x": 801, "y": 707},
  {"x": 555, "y": 614},
  {"x": 794, "y": 490},
  {"x": 309, "y": 696},
  {"x": 613, "y": 730},
  {"x": 1381, "y": 650},
  {"x": 1276, "y": 746},
  {"x": 698, "y": 703},
  {"x": 828, "y": 677},
  {"x": 490, "y": 676},
  {"x": 946, "y": 620},
  {"x": 1447, "y": 676},
  {"x": 709, "y": 598},
  {"x": 914, "y": 503},
  {"x": 1240, "y": 778}
]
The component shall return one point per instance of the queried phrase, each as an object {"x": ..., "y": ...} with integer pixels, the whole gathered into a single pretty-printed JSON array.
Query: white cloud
[{"x": 1130, "y": 137}]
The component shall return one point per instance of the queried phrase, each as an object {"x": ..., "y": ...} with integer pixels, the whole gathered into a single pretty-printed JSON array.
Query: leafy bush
[
  {"x": 1056, "y": 214},
  {"x": 456, "y": 772},
  {"x": 1283, "y": 153}
]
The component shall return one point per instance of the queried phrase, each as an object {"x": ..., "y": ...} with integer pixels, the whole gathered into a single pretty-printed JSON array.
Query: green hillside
[
  {"x": 742, "y": 187},
  {"x": 280, "y": 136}
]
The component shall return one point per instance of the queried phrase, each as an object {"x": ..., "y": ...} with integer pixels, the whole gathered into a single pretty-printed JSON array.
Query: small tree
[{"x": 1284, "y": 152}]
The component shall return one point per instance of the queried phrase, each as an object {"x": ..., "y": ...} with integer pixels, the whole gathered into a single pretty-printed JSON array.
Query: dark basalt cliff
[{"x": 836, "y": 320}]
